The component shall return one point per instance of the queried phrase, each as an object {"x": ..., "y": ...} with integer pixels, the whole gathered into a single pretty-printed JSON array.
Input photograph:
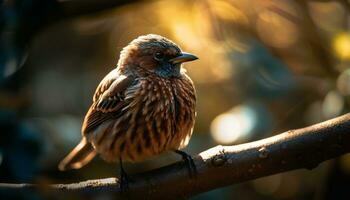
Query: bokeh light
[
  {"x": 10, "y": 67},
  {"x": 328, "y": 16},
  {"x": 235, "y": 124},
  {"x": 227, "y": 11},
  {"x": 333, "y": 105},
  {"x": 341, "y": 45},
  {"x": 343, "y": 82},
  {"x": 276, "y": 30}
]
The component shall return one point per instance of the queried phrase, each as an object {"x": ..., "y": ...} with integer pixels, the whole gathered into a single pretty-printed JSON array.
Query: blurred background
[{"x": 266, "y": 66}]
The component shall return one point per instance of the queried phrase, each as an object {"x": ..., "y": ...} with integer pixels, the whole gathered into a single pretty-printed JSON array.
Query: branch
[{"x": 222, "y": 165}]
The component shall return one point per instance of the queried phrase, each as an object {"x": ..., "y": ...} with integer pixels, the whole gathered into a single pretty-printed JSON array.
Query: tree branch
[{"x": 222, "y": 165}]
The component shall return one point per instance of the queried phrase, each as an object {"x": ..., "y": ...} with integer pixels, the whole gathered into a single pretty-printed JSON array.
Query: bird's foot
[
  {"x": 123, "y": 181},
  {"x": 192, "y": 170}
]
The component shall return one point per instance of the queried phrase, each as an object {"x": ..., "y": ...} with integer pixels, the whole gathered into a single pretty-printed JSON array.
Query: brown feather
[
  {"x": 108, "y": 101},
  {"x": 137, "y": 110},
  {"x": 78, "y": 157}
]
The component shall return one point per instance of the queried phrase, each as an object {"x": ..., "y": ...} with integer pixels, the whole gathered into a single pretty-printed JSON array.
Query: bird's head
[{"x": 154, "y": 53}]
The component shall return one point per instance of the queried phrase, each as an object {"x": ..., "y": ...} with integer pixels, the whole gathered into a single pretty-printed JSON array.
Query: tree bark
[{"x": 221, "y": 166}]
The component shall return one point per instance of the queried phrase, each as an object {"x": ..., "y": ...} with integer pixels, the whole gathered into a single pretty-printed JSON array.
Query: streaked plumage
[{"x": 142, "y": 108}]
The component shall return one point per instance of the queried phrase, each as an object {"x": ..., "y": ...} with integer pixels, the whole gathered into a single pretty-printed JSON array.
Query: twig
[{"x": 222, "y": 165}]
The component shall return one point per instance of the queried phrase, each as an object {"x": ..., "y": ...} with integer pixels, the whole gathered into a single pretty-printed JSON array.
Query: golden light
[
  {"x": 192, "y": 30},
  {"x": 341, "y": 45},
  {"x": 235, "y": 124},
  {"x": 225, "y": 10},
  {"x": 333, "y": 104},
  {"x": 329, "y": 16},
  {"x": 184, "y": 32},
  {"x": 276, "y": 30},
  {"x": 183, "y": 27}
]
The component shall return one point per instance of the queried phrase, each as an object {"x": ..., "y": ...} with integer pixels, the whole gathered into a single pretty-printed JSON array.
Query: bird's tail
[{"x": 83, "y": 153}]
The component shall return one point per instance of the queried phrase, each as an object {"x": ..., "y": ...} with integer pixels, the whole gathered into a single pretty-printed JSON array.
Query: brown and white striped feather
[{"x": 136, "y": 118}]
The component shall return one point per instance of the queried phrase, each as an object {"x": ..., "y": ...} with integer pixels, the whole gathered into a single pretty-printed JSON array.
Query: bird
[{"x": 142, "y": 108}]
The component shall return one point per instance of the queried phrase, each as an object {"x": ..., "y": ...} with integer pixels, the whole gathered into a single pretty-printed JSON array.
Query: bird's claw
[
  {"x": 192, "y": 170},
  {"x": 123, "y": 181}
]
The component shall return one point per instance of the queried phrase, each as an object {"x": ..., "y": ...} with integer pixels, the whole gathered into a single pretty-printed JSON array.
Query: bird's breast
[
  {"x": 163, "y": 115},
  {"x": 159, "y": 115}
]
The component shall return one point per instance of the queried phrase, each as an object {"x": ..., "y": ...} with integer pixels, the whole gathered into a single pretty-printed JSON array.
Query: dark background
[{"x": 265, "y": 67}]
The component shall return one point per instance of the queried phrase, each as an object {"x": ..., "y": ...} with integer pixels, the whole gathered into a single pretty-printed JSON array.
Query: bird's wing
[{"x": 108, "y": 100}]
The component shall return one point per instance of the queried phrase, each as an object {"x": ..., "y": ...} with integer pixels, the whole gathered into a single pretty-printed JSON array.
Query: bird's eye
[{"x": 158, "y": 56}]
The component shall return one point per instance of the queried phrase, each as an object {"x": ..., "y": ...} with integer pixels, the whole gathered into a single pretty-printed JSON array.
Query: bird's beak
[{"x": 184, "y": 57}]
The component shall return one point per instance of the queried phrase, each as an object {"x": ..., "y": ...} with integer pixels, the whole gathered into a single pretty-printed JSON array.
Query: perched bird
[{"x": 142, "y": 108}]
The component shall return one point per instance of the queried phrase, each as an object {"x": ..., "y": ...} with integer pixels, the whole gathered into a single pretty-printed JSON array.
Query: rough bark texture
[{"x": 222, "y": 165}]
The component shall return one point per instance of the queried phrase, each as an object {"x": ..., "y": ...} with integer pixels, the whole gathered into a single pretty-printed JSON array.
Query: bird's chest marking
[
  {"x": 162, "y": 100},
  {"x": 161, "y": 114}
]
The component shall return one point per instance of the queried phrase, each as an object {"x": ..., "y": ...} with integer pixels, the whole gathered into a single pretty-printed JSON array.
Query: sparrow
[{"x": 142, "y": 108}]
